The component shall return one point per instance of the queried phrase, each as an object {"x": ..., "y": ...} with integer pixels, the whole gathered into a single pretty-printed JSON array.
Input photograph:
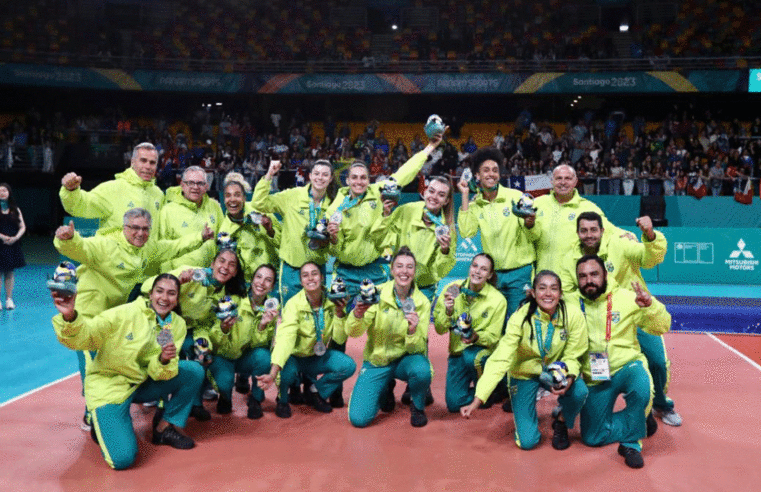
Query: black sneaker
[
  {"x": 294, "y": 395},
  {"x": 652, "y": 424},
  {"x": 417, "y": 417},
  {"x": 224, "y": 406},
  {"x": 632, "y": 457},
  {"x": 318, "y": 403},
  {"x": 497, "y": 396},
  {"x": 507, "y": 407},
  {"x": 283, "y": 410},
  {"x": 199, "y": 413},
  {"x": 560, "y": 435},
  {"x": 407, "y": 400},
  {"x": 94, "y": 435},
  {"x": 242, "y": 384},
  {"x": 171, "y": 437},
  {"x": 389, "y": 401},
  {"x": 336, "y": 400},
  {"x": 254, "y": 408}
]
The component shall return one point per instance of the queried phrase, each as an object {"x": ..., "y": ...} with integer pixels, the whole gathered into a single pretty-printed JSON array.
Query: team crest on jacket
[
  {"x": 129, "y": 336},
  {"x": 505, "y": 212},
  {"x": 157, "y": 205},
  {"x": 563, "y": 334},
  {"x": 212, "y": 219},
  {"x": 571, "y": 216},
  {"x": 301, "y": 212},
  {"x": 485, "y": 314},
  {"x": 609, "y": 266},
  {"x": 615, "y": 317},
  {"x": 373, "y": 205}
]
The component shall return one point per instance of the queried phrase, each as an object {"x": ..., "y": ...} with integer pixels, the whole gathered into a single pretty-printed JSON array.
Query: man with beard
[
  {"x": 614, "y": 364},
  {"x": 623, "y": 259}
]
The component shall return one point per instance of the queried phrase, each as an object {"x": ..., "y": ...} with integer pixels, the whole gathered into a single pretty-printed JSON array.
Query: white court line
[
  {"x": 742, "y": 356},
  {"x": 38, "y": 389}
]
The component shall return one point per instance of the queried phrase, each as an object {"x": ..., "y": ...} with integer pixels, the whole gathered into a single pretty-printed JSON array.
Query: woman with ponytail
[{"x": 542, "y": 346}]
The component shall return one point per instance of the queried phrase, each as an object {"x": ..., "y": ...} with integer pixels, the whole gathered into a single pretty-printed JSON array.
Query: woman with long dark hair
[
  {"x": 542, "y": 346},
  {"x": 12, "y": 227}
]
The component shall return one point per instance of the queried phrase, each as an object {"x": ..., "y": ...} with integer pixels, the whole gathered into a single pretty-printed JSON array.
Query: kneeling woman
[
  {"x": 397, "y": 337},
  {"x": 137, "y": 361},
  {"x": 542, "y": 331},
  {"x": 241, "y": 345},
  {"x": 310, "y": 321}
]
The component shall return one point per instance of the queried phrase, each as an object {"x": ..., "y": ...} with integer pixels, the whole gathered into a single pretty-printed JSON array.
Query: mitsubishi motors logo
[
  {"x": 741, "y": 251},
  {"x": 748, "y": 263}
]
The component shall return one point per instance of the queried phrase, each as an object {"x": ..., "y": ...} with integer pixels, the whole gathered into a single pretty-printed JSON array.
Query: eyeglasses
[
  {"x": 199, "y": 184},
  {"x": 138, "y": 228}
]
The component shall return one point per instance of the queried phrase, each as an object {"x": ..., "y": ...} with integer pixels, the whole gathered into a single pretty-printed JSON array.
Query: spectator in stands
[
  {"x": 616, "y": 175},
  {"x": 470, "y": 146}
]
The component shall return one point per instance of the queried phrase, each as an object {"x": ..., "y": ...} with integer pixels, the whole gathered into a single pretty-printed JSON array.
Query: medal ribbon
[
  {"x": 4, "y": 205},
  {"x": 166, "y": 322},
  {"x": 439, "y": 221},
  {"x": 319, "y": 322},
  {"x": 544, "y": 344},
  {"x": 350, "y": 202},
  {"x": 314, "y": 212}
]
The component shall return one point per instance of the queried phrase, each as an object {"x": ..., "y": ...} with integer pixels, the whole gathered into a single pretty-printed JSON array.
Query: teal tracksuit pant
[
  {"x": 374, "y": 382},
  {"x": 654, "y": 349},
  {"x": 254, "y": 362},
  {"x": 600, "y": 425},
  {"x": 334, "y": 366},
  {"x": 462, "y": 370},
  {"x": 113, "y": 424},
  {"x": 523, "y": 394}
]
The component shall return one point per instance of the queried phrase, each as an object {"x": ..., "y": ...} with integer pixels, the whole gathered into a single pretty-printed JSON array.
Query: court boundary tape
[
  {"x": 732, "y": 349},
  {"x": 35, "y": 390}
]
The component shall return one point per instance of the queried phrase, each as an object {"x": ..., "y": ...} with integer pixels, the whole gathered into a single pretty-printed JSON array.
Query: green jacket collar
[{"x": 129, "y": 175}]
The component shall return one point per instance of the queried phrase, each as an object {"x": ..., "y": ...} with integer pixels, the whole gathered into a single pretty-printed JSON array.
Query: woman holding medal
[
  {"x": 397, "y": 338},
  {"x": 201, "y": 290},
  {"x": 242, "y": 344},
  {"x": 137, "y": 360},
  {"x": 542, "y": 346},
  {"x": 304, "y": 232},
  {"x": 309, "y": 321},
  {"x": 473, "y": 313}
]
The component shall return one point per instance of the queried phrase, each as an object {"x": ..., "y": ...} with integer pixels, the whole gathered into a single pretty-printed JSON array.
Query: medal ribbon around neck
[
  {"x": 319, "y": 322},
  {"x": 350, "y": 202},
  {"x": 544, "y": 344},
  {"x": 439, "y": 221}
]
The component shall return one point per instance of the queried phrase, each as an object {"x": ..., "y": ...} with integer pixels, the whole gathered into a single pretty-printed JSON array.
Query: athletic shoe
[
  {"x": 86, "y": 422},
  {"x": 150, "y": 404},
  {"x": 336, "y": 400},
  {"x": 242, "y": 384},
  {"x": 210, "y": 394},
  {"x": 224, "y": 406},
  {"x": 9, "y": 304},
  {"x": 652, "y": 424},
  {"x": 406, "y": 399},
  {"x": 497, "y": 396},
  {"x": 417, "y": 417},
  {"x": 389, "y": 400},
  {"x": 670, "y": 417},
  {"x": 560, "y": 435},
  {"x": 507, "y": 407},
  {"x": 632, "y": 457},
  {"x": 254, "y": 408},
  {"x": 318, "y": 403},
  {"x": 294, "y": 395},
  {"x": 283, "y": 410},
  {"x": 171, "y": 437},
  {"x": 199, "y": 413}
]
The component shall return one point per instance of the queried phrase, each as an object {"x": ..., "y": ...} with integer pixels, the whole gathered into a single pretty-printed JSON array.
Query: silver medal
[
  {"x": 453, "y": 290},
  {"x": 441, "y": 230},
  {"x": 320, "y": 348},
  {"x": 199, "y": 275},
  {"x": 467, "y": 175},
  {"x": 408, "y": 306},
  {"x": 164, "y": 337},
  {"x": 256, "y": 218},
  {"x": 271, "y": 304},
  {"x": 337, "y": 217}
]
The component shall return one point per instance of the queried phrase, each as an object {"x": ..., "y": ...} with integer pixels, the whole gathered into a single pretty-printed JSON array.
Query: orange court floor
[{"x": 715, "y": 381}]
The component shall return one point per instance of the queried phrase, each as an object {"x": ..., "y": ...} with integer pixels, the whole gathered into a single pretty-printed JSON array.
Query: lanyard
[
  {"x": 319, "y": 322},
  {"x": 314, "y": 212},
  {"x": 608, "y": 316},
  {"x": 546, "y": 343}
]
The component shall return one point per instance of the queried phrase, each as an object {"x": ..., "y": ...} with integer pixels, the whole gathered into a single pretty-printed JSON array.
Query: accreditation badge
[{"x": 600, "y": 367}]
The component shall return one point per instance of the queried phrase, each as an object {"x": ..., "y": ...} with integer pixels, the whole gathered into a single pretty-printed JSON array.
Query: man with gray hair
[
  {"x": 113, "y": 265},
  {"x": 187, "y": 210},
  {"x": 134, "y": 187}
]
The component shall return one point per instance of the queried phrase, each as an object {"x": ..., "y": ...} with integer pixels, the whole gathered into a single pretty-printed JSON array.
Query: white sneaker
[
  {"x": 541, "y": 393},
  {"x": 150, "y": 404},
  {"x": 210, "y": 394},
  {"x": 671, "y": 417},
  {"x": 9, "y": 304}
]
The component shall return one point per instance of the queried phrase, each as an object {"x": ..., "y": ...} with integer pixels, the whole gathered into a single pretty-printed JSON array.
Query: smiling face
[
  {"x": 590, "y": 235},
  {"x": 144, "y": 163},
  {"x": 137, "y": 230},
  {"x": 235, "y": 198},
  {"x": 358, "y": 180},
  {"x": 4, "y": 193},
  {"x": 225, "y": 266},
  {"x": 436, "y": 196},
  {"x": 311, "y": 278},
  {"x": 481, "y": 270},
  {"x": 547, "y": 293},
  {"x": 488, "y": 174},
  {"x": 564, "y": 182},
  {"x": 263, "y": 282},
  {"x": 592, "y": 279},
  {"x": 164, "y": 296},
  {"x": 320, "y": 177},
  {"x": 403, "y": 271},
  {"x": 194, "y": 186}
]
